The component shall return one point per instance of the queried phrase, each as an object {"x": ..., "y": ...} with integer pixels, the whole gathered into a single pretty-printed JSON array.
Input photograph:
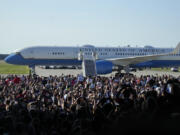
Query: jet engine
[{"x": 104, "y": 67}]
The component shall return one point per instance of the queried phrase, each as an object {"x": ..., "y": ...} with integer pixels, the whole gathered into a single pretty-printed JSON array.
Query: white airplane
[{"x": 108, "y": 57}]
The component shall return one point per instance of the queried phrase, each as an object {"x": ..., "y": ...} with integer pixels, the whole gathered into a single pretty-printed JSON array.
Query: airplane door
[
  {"x": 31, "y": 54},
  {"x": 75, "y": 53}
]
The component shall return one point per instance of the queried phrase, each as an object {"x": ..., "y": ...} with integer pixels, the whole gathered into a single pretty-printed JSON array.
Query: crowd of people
[{"x": 77, "y": 105}]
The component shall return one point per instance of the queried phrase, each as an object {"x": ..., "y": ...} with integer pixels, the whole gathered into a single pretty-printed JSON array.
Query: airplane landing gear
[
  {"x": 127, "y": 69},
  {"x": 32, "y": 70}
]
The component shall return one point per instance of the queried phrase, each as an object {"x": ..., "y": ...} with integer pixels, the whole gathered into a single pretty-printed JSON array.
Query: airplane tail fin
[{"x": 177, "y": 49}]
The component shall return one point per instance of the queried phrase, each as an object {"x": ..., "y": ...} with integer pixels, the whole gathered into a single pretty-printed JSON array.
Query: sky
[{"x": 25, "y": 23}]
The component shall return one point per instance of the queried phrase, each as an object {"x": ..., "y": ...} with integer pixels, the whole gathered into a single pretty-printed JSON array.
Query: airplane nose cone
[{"x": 11, "y": 59}]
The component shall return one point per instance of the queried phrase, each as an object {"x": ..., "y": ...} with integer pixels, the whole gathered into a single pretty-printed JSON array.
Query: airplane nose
[{"x": 11, "y": 59}]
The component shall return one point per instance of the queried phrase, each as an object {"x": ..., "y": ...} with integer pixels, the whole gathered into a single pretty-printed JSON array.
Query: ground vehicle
[
  {"x": 132, "y": 69},
  {"x": 174, "y": 69}
]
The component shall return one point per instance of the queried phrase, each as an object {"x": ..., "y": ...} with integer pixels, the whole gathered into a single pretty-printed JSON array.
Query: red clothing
[
  {"x": 16, "y": 80},
  {"x": 7, "y": 81}
]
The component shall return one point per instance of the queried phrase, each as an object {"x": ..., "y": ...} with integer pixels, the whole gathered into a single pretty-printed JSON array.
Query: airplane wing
[
  {"x": 137, "y": 59},
  {"x": 134, "y": 60}
]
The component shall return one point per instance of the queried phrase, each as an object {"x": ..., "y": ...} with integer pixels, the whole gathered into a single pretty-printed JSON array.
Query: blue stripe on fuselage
[
  {"x": 158, "y": 63},
  {"x": 19, "y": 60}
]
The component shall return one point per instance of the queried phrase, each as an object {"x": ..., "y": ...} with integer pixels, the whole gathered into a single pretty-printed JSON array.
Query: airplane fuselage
[{"x": 48, "y": 55}]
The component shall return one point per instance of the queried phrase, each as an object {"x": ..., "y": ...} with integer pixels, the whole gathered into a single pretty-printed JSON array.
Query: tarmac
[{"x": 58, "y": 72}]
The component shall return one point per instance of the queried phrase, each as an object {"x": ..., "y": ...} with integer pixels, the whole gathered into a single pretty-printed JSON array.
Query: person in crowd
[{"x": 67, "y": 104}]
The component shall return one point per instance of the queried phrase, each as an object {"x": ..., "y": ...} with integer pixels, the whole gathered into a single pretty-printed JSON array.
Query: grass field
[
  {"x": 163, "y": 69},
  {"x": 13, "y": 69}
]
